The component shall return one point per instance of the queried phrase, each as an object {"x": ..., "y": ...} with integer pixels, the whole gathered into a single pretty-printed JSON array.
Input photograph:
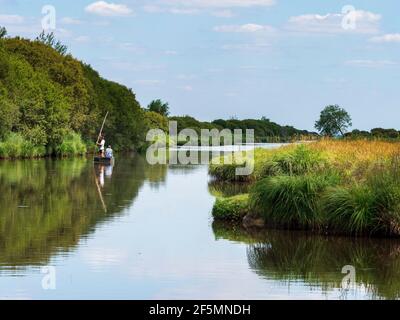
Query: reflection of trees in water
[
  {"x": 47, "y": 206},
  {"x": 318, "y": 260},
  {"x": 227, "y": 189}
]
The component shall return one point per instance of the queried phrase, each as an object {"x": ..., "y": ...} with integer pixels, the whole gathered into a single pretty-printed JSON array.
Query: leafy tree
[
  {"x": 155, "y": 120},
  {"x": 3, "y": 32},
  {"x": 50, "y": 40},
  {"x": 159, "y": 107},
  {"x": 45, "y": 95},
  {"x": 333, "y": 120}
]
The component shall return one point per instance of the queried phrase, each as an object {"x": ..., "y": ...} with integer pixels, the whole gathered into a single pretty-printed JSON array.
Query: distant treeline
[
  {"x": 377, "y": 133},
  {"x": 264, "y": 129}
]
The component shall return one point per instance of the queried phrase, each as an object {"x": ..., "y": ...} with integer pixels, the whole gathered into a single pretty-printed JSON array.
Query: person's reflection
[
  {"x": 109, "y": 171},
  {"x": 101, "y": 176}
]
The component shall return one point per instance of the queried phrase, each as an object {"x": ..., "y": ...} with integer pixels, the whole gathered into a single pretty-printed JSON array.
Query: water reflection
[
  {"x": 291, "y": 257},
  {"x": 48, "y": 206}
]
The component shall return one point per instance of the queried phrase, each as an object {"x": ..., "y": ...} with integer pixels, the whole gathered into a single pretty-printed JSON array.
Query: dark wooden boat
[{"x": 103, "y": 160}]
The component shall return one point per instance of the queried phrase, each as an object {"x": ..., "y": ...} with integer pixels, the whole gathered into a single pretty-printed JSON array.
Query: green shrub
[
  {"x": 71, "y": 145},
  {"x": 232, "y": 208},
  {"x": 350, "y": 209},
  {"x": 293, "y": 161},
  {"x": 369, "y": 207},
  {"x": 16, "y": 146},
  {"x": 291, "y": 200}
]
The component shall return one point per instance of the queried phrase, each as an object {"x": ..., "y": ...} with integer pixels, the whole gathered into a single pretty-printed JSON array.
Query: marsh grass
[
  {"x": 231, "y": 208},
  {"x": 369, "y": 206},
  {"x": 16, "y": 146},
  {"x": 71, "y": 145},
  {"x": 350, "y": 187},
  {"x": 291, "y": 201},
  {"x": 292, "y": 161}
]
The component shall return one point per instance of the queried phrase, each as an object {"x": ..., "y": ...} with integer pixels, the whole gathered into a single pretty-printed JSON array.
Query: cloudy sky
[{"x": 283, "y": 59}]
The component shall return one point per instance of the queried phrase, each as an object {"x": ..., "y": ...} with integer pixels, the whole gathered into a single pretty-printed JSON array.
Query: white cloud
[
  {"x": 371, "y": 63},
  {"x": 258, "y": 47},
  {"x": 82, "y": 39},
  {"x": 71, "y": 21},
  {"x": 217, "y": 8},
  {"x": 223, "y": 13},
  {"x": 246, "y": 28},
  {"x": 183, "y": 11},
  {"x": 158, "y": 9},
  {"x": 183, "y": 76},
  {"x": 131, "y": 47},
  {"x": 187, "y": 88},
  {"x": 386, "y": 38},
  {"x": 364, "y": 22},
  {"x": 170, "y": 52},
  {"x": 106, "y": 9},
  {"x": 153, "y": 9},
  {"x": 219, "y": 3},
  {"x": 11, "y": 19}
]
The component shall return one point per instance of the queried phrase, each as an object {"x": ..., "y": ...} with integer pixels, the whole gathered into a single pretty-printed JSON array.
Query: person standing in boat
[
  {"x": 109, "y": 152},
  {"x": 101, "y": 145}
]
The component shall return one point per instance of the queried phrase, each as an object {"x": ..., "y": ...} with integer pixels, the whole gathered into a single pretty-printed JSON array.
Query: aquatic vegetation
[
  {"x": 292, "y": 161},
  {"x": 372, "y": 206},
  {"x": 72, "y": 144},
  {"x": 335, "y": 186},
  {"x": 291, "y": 200},
  {"x": 231, "y": 208},
  {"x": 16, "y": 146}
]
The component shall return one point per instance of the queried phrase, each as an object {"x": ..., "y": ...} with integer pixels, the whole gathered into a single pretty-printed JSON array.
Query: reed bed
[{"x": 350, "y": 187}]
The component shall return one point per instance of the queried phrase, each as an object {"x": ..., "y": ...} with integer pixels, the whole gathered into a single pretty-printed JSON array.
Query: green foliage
[
  {"x": 16, "y": 146},
  {"x": 71, "y": 144},
  {"x": 376, "y": 133},
  {"x": 232, "y": 208},
  {"x": 333, "y": 120},
  {"x": 50, "y": 40},
  {"x": 3, "y": 32},
  {"x": 370, "y": 207},
  {"x": 291, "y": 200},
  {"x": 293, "y": 161},
  {"x": 264, "y": 129},
  {"x": 155, "y": 120},
  {"x": 159, "y": 107},
  {"x": 45, "y": 94},
  {"x": 227, "y": 171}
]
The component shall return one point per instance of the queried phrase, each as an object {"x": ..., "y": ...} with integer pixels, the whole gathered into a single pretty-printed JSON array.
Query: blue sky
[{"x": 281, "y": 59}]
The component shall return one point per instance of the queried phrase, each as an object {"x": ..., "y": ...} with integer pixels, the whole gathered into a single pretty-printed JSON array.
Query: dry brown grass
[{"x": 356, "y": 157}]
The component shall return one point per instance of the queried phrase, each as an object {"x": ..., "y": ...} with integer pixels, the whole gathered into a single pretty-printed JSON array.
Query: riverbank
[
  {"x": 16, "y": 146},
  {"x": 346, "y": 187}
]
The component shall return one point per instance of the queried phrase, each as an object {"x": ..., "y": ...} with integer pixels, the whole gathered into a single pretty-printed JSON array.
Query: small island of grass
[{"x": 330, "y": 186}]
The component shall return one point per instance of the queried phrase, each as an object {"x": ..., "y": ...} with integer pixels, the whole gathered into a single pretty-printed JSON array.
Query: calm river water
[{"x": 135, "y": 231}]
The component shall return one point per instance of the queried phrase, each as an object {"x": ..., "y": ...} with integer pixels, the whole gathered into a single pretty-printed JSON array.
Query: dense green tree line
[
  {"x": 47, "y": 95},
  {"x": 376, "y": 133},
  {"x": 264, "y": 129}
]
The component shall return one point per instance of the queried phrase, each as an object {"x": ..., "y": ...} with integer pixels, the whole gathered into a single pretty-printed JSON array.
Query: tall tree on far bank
[
  {"x": 159, "y": 107},
  {"x": 50, "y": 40},
  {"x": 333, "y": 121}
]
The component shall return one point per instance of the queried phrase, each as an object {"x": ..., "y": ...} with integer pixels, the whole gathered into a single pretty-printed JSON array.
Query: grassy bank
[
  {"x": 349, "y": 187},
  {"x": 15, "y": 146}
]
